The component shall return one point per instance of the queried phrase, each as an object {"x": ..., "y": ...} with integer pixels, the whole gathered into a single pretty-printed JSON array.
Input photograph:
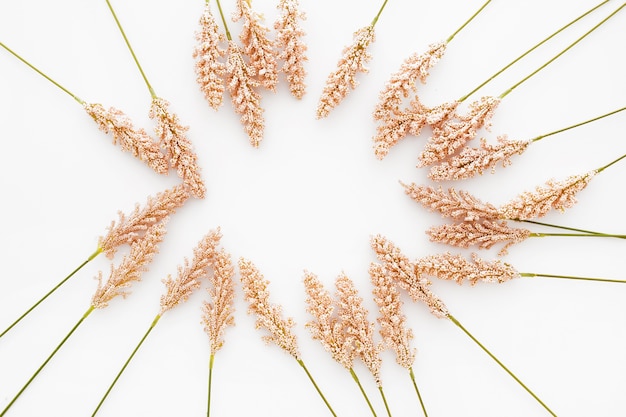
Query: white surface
[{"x": 308, "y": 198}]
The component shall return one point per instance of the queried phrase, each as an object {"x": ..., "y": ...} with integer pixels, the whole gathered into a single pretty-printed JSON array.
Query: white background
[{"x": 308, "y": 198}]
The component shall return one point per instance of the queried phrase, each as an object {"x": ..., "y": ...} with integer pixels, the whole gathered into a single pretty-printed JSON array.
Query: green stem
[
  {"x": 106, "y": 394},
  {"x": 316, "y": 387},
  {"x": 219, "y": 7},
  {"x": 208, "y": 408},
  {"x": 599, "y": 170},
  {"x": 467, "y": 21},
  {"x": 417, "y": 391},
  {"x": 379, "y": 12},
  {"x": 130, "y": 48},
  {"x": 460, "y": 326},
  {"x": 356, "y": 379},
  {"x": 382, "y": 394},
  {"x": 87, "y": 313},
  {"x": 93, "y": 255},
  {"x": 504, "y": 94},
  {"x": 575, "y": 235},
  {"x": 37, "y": 70},
  {"x": 510, "y": 64},
  {"x": 591, "y": 232},
  {"x": 535, "y": 139},
  {"x": 533, "y": 275}
]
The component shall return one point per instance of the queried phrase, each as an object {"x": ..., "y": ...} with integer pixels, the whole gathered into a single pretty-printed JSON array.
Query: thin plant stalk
[
  {"x": 32, "y": 378},
  {"x": 379, "y": 12},
  {"x": 208, "y": 408},
  {"x": 456, "y": 32},
  {"x": 56, "y": 287},
  {"x": 575, "y": 235},
  {"x": 301, "y": 363},
  {"x": 417, "y": 391},
  {"x": 130, "y": 48},
  {"x": 382, "y": 394},
  {"x": 37, "y": 70},
  {"x": 510, "y": 64},
  {"x": 460, "y": 326},
  {"x": 358, "y": 382},
  {"x": 537, "y": 138},
  {"x": 533, "y": 275},
  {"x": 569, "y": 228},
  {"x": 119, "y": 374},
  {"x": 505, "y": 93},
  {"x": 219, "y": 7}
]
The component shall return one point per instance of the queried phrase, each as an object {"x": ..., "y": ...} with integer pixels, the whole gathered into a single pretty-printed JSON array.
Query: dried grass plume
[
  {"x": 292, "y": 49},
  {"x": 268, "y": 315},
  {"x": 135, "y": 141},
  {"x": 218, "y": 312}
]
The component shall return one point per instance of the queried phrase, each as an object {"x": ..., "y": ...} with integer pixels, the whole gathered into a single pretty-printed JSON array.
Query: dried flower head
[
  {"x": 391, "y": 319},
  {"x": 483, "y": 234},
  {"x": 474, "y": 161},
  {"x": 339, "y": 82},
  {"x": 135, "y": 141},
  {"x": 326, "y": 326},
  {"x": 292, "y": 47},
  {"x": 268, "y": 315},
  {"x": 178, "y": 290},
  {"x": 451, "y": 135},
  {"x": 397, "y": 125},
  {"x": 559, "y": 195},
  {"x": 142, "y": 252},
  {"x": 458, "y": 205},
  {"x": 402, "y": 83},
  {"x": 210, "y": 71},
  {"x": 218, "y": 313},
  {"x": 129, "y": 229},
  {"x": 246, "y": 100},
  {"x": 404, "y": 273},
  {"x": 173, "y": 138},
  {"x": 457, "y": 268},
  {"x": 354, "y": 319},
  {"x": 257, "y": 46}
]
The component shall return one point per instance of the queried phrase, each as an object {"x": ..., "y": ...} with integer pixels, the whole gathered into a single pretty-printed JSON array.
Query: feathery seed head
[
  {"x": 142, "y": 252},
  {"x": 292, "y": 47},
  {"x": 218, "y": 313},
  {"x": 457, "y": 268},
  {"x": 343, "y": 79},
  {"x": 268, "y": 315},
  {"x": 135, "y": 141},
  {"x": 178, "y": 290},
  {"x": 129, "y": 229}
]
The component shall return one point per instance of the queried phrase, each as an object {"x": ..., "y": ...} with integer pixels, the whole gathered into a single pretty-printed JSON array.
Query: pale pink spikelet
[
  {"x": 457, "y": 268},
  {"x": 268, "y": 315},
  {"x": 396, "y": 335},
  {"x": 474, "y": 161},
  {"x": 404, "y": 273},
  {"x": 218, "y": 312},
  {"x": 354, "y": 318},
  {"x": 210, "y": 70},
  {"x": 292, "y": 49},
  {"x": 135, "y": 141},
  {"x": 557, "y": 195},
  {"x": 326, "y": 326},
  {"x": 451, "y": 135},
  {"x": 131, "y": 268},
  {"x": 260, "y": 50},
  {"x": 343, "y": 79},
  {"x": 458, "y": 205},
  {"x": 129, "y": 229},
  {"x": 190, "y": 273},
  {"x": 246, "y": 100},
  {"x": 173, "y": 138},
  {"x": 402, "y": 83},
  {"x": 440, "y": 114},
  {"x": 483, "y": 234},
  {"x": 398, "y": 125}
]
